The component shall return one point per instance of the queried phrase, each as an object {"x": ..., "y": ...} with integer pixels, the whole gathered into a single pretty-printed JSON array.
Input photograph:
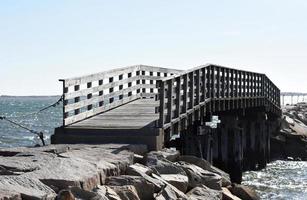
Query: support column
[
  {"x": 197, "y": 141},
  {"x": 252, "y": 150},
  {"x": 261, "y": 142},
  {"x": 231, "y": 147}
]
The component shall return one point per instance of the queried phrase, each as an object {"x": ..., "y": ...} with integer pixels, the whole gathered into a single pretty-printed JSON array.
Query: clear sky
[{"x": 42, "y": 41}]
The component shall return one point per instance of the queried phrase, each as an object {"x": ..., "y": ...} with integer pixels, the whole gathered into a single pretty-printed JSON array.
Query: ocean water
[
  {"x": 14, "y": 108},
  {"x": 280, "y": 180}
]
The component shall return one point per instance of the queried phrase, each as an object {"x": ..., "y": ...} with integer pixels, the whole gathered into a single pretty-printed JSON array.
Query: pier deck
[{"x": 136, "y": 115}]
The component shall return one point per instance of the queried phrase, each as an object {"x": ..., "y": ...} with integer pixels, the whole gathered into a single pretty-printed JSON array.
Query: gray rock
[
  {"x": 65, "y": 195},
  {"x": 6, "y": 195},
  {"x": 158, "y": 185},
  {"x": 168, "y": 191},
  {"x": 243, "y": 192},
  {"x": 104, "y": 190},
  {"x": 61, "y": 166},
  {"x": 179, "y": 181},
  {"x": 86, "y": 195},
  {"x": 17, "y": 186},
  {"x": 138, "y": 169},
  {"x": 198, "y": 176},
  {"x": 126, "y": 192},
  {"x": 152, "y": 157},
  {"x": 110, "y": 164},
  {"x": 60, "y": 173},
  {"x": 145, "y": 189},
  {"x": 163, "y": 166},
  {"x": 206, "y": 166},
  {"x": 169, "y": 154},
  {"x": 203, "y": 192}
]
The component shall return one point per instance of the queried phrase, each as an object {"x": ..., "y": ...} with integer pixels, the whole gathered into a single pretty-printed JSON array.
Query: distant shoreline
[{"x": 32, "y": 96}]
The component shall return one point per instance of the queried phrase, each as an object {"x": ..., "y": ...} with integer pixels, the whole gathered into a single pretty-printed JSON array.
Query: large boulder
[
  {"x": 179, "y": 181},
  {"x": 163, "y": 166},
  {"x": 86, "y": 195},
  {"x": 104, "y": 190},
  {"x": 112, "y": 163},
  {"x": 138, "y": 169},
  {"x": 198, "y": 176},
  {"x": 60, "y": 173},
  {"x": 203, "y": 192},
  {"x": 168, "y": 191},
  {"x": 6, "y": 195},
  {"x": 63, "y": 166},
  {"x": 145, "y": 189},
  {"x": 243, "y": 192},
  {"x": 127, "y": 192},
  {"x": 206, "y": 166},
  {"x": 12, "y": 187},
  {"x": 168, "y": 154}
]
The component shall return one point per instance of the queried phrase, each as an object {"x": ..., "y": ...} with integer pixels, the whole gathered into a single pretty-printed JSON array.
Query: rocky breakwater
[
  {"x": 111, "y": 172},
  {"x": 291, "y": 141}
]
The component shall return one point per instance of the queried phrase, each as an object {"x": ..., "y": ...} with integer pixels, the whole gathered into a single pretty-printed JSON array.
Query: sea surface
[
  {"x": 20, "y": 109},
  {"x": 280, "y": 180}
]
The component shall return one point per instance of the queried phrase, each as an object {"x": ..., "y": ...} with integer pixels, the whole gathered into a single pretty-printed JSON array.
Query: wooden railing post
[
  {"x": 178, "y": 97},
  {"x": 65, "y": 102},
  {"x": 89, "y": 96},
  {"x": 169, "y": 115},
  {"x": 77, "y": 99},
  {"x": 161, "y": 88}
]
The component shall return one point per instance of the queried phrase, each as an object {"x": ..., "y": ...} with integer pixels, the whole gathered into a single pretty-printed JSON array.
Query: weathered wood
[
  {"x": 161, "y": 85},
  {"x": 169, "y": 100},
  {"x": 122, "y": 83},
  {"x": 95, "y": 111},
  {"x": 188, "y": 92}
]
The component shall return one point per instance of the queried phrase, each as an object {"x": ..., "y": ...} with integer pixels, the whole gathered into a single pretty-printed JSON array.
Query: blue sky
[{"x": 42, "y": 41}]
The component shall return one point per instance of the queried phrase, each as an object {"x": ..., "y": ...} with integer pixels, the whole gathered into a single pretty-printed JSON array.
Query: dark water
[
  {"x": 15, "y": 107},
  {"x": 280, "y": 180}
]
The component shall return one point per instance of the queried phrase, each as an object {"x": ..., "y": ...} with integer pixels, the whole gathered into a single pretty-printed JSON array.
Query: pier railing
[
  {"x": 90, "y": 95},
  {"x": 187, "y": 96},
  {"x": 183, "y": 96}
]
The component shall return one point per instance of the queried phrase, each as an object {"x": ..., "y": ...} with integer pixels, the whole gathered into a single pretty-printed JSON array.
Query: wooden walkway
[
  {"x": 128, "y": 104},
  {"x": 138, "y": 114}
]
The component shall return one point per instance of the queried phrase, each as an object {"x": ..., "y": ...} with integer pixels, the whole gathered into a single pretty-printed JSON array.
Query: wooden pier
[{"x": 167, "y": 107}]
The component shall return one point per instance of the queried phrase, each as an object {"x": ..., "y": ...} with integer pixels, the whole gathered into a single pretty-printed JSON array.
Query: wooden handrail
[
  {"x": 199, "y": 88},
  {"x": 93, "y": 94},
  {"x": 184, "y": 96}
]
